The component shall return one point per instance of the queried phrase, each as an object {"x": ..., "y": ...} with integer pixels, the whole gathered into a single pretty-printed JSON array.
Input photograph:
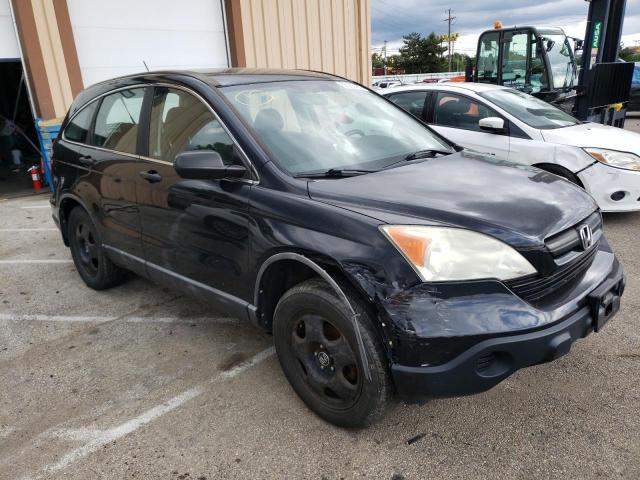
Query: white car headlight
[
  {"x": 445, "y": 254},
  {"x": 613, "y": 158}
]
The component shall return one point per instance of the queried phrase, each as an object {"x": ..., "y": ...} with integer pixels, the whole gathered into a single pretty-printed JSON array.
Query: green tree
[
  {"x": 393, "y": 61},
  {"x": 422, "y": 54},
  {"x": 458, "y": 61},
  {"x": 377, "y": 61},
  {"x": 629, "y": 54}
]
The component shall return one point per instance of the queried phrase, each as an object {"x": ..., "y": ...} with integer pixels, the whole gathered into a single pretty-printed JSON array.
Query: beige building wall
[
  {"x": 49, "y": 54},
  {"x": 327, "y": 35},
  {"x": 53, "y": 56}
]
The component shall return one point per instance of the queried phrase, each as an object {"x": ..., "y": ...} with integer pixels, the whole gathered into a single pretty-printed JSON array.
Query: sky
[{"x": 390, "y": 19}]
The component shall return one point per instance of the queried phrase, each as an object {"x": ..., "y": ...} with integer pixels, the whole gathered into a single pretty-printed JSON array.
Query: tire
[
  {"x": 93, "y": 265},
  {"x": 561, "y": 172},
  {"x": 317, "y": 349}
]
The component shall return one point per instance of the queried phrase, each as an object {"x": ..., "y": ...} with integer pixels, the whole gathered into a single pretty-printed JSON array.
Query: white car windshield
[
  {"x": 531, "y": 110},
  {"x": 319, "y": 125}
]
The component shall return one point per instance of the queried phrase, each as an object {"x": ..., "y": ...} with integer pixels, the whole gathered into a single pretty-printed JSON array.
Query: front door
[
  {"x": 456, "y": 117},
  {"x": 195, "y": 232}
]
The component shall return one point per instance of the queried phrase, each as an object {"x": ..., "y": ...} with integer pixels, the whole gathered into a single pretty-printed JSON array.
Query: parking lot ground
[
  {"x": 141, "y": 382},
  {"x": 632, "y": 123}
]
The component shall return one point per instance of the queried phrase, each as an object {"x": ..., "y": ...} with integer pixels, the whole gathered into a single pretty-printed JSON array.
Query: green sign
[{"x": 597, "y": 33}]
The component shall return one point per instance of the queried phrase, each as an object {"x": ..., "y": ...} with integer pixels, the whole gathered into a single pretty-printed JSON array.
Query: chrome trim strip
[
  {"x": 245, "y": 157},
  {"x": 115, "y": 90},
  {"x": 195, "y": 283},
  {"x": 137, "y": 157}
]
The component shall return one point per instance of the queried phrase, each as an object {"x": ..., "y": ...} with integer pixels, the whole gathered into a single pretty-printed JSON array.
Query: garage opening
[{"x": 18, "y": 138}]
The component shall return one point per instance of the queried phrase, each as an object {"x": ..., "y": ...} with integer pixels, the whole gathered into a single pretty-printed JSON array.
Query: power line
[{"x": 449, "y": 19}]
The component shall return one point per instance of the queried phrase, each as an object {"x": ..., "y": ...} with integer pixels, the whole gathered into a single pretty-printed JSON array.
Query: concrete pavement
[{"x": 141, "y": 382}]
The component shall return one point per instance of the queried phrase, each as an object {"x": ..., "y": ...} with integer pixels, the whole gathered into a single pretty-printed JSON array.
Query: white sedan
[{"x": 515, "y": 126}]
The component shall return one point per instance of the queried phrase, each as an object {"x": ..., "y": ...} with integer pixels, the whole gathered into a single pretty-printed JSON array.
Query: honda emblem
[{"x": 586, "y": 236}]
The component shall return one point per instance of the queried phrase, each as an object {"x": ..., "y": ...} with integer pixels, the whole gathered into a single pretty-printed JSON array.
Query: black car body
[
  {"x": 634, "y": 98},
  {"x": 243, "y": 241}
]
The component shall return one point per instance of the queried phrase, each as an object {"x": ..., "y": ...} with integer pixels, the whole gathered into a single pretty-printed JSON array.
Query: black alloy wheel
[
  {"x": 315, "y": 339},
  {"x": 87, "y": 247},
  {"x": 326, "y": 360},
  {"x": 89, "y": 256}
]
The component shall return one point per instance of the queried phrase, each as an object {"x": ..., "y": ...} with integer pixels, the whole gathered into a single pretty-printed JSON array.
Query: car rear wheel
[
  {"x": 317, "y": 349},
  {"x": 88, "y": 254}
]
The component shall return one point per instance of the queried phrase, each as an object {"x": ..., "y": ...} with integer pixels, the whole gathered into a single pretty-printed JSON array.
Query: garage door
[
  {"x": 8, "y": 44},
  {"x": 115, "y": 37}
]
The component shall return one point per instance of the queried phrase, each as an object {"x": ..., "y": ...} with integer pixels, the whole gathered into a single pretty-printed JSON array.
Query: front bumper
[
  {"x": 602, "y": 181},
  {"x": 493, "y": 359}
]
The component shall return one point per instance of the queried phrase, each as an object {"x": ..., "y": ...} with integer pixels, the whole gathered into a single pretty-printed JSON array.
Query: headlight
[
  {"x": 443, "y": 253},
  {"x": 613, "y": 158}
]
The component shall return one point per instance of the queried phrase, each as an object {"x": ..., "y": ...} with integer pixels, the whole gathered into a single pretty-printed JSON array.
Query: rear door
[
  {"x": 112, "y": 155},
  {"x": 456, "y": 116},
  {"x": 195, "y": 232}
]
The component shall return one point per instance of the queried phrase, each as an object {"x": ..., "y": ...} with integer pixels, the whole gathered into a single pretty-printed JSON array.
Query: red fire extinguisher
[{"x": 35, "y": 177}]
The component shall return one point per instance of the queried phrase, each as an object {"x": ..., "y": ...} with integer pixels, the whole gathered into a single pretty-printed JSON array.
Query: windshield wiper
[
  {"x": 426, "y": 154},
  {"x": 333, "y": 173}
]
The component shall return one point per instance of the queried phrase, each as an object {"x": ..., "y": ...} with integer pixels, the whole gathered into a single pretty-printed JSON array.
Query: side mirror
[
  {"x": 492, "y": 125},
  {"x": 205, "y": 165}
]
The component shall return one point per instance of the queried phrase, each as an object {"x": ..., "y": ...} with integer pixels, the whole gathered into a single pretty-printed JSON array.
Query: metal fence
[{"x": 416, "y": 77}]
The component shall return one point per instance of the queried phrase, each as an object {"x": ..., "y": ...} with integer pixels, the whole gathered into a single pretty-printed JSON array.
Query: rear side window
[
  {"x": 116, "y": 125},
  {"x": 412, "y": 102},
  {"x": 78, "y": 127},
  {"x": 180, "y": 122}
]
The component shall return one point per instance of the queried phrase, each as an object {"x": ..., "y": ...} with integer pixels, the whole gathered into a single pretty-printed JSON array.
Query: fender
[
  {"x": 61, "y": 221},
  {"x": 330, "y": 281}
]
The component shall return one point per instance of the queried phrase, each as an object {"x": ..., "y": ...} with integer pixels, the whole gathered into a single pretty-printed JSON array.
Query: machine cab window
[
  {"x": 488, "y": 54},
  {"x": 523, "y": 65}
]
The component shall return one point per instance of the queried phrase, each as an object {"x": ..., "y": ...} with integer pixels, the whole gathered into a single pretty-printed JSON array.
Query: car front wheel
[{"x": 317, "y": 349}]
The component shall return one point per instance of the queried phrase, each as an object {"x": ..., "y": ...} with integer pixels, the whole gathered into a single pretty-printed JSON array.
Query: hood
[
  {"x": 594, "y": 135},
  {"x": 520, "y": 205}
]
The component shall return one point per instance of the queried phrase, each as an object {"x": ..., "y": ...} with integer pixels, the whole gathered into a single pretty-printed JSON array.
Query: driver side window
[
  {"x": 180, "y": 123},
  {"x": 458, "y": 111}
]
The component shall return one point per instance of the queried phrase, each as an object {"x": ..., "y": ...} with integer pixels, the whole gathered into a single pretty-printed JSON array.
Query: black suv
[{"x": 383, "y": 258}]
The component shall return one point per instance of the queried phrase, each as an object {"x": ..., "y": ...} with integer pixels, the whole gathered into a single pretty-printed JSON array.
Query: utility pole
[
  {"x": 449, "y": 19},
  {"x": 384, "y": 49}
]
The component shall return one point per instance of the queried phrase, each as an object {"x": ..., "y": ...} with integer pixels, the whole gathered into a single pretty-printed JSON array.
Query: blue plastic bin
[{"x": 48, "y": 131}]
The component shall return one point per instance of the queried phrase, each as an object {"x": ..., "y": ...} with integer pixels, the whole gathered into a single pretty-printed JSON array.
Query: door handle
[
  {"x": 151, "y": 176},
  {"x": 86, "y": 160}
]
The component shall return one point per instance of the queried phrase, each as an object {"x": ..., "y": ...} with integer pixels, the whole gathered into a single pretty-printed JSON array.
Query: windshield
[
  {"x": 560, "y": 56},
  {"x": 531, "y": 110},
  {"x": 317, "y": 125}
]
